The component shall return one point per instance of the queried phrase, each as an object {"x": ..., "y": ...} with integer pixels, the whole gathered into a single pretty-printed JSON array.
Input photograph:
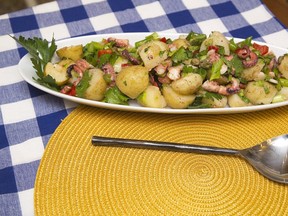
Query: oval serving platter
[{"x": 28, "y": 72}]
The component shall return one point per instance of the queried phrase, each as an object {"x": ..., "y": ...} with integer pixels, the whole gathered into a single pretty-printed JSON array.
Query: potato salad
[{"x": 192, "y": 71}]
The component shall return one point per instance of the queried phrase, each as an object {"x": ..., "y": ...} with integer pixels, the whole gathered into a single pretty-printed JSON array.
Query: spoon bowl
[{"x": 270, "y": 158}]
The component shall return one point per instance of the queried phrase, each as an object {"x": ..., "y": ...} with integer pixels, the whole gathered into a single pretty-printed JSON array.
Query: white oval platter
[{"x": 28, "y": 72}]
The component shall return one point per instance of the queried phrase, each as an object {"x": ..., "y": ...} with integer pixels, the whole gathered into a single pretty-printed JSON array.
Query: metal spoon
[{"x": 270, "y": 158}]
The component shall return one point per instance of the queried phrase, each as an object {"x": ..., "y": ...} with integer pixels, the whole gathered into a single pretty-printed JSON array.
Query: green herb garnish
[
  {"x": 216, "y": 68},
  {"x": 180, "y": 55},
  {"x": 115, "y": 96},
  {"x": 41, "y": 52},
  {"x": 212, "y": 95},
  {"x": 234, "y": 65},
  {"x": 197, "y": 104},
  {"x": 83, "y": 85},
  {"x": 153, "y": 36},
  {"x": 195, "y": 39}
]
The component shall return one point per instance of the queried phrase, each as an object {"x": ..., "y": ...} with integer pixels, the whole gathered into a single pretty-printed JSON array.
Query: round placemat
[{"x": 77, "y": 178}]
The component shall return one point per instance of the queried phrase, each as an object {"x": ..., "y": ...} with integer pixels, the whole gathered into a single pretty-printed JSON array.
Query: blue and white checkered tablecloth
[{"x": 28, "y": 116}]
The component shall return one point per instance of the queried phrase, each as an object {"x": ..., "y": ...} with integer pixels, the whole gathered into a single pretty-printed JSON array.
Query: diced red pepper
[
  {"x": 263, "y": 49},
  {"x": 72, "y": 92},
  {"x": 163, "y": 39},
  {"x": 125, "y": 65},
  {"x": 104, "y": 51},
  {"x": 213, "y": 48}
]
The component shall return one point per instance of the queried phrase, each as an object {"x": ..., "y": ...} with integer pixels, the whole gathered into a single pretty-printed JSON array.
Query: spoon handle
[{"x": 168, "y": 146}]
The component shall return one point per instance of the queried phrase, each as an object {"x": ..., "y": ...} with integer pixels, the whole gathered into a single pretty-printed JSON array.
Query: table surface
[{"x": 28, "y": 116}]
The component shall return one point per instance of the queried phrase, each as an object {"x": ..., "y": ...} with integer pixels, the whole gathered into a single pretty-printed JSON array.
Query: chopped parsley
[
  {"x": 180, "y": 55},
  {"x": 216, "y": 68},
  {"x": 212, "y": 95},
  {"x": 115, "y": 96},
  {"x": 83, "y": 85}
]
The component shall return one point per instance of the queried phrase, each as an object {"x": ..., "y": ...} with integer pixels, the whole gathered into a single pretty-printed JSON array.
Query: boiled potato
[
  {"x": 133, "y": 80},
  {"x": 97, "y": 87},
  {"x": 216, "y": 39},
  {"x": 260, "y": 92},
  {"x": 57, "y": 72},
  {"x": 188, "y": 84},
  {"x": 66, "y": 63},
  {"x": 252, "y": 73},
  {"x": 236, "y": 101},
  {"x": 175, "y": 100},
  {"x": 71, "y": 52},
  {"x": 153, "y": 53},
  {"x": 214, "y": 102},
  {"x": 281, "y": 96},
  {"x": 284, "y": 92},
  {"x": 180, "y": 43},
  {"x": 283, "y": 66},
  {"x": 152, "y": 97}
]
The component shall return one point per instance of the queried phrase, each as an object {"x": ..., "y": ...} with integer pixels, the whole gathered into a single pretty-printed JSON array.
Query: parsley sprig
[{"x": 41, "y": 52}]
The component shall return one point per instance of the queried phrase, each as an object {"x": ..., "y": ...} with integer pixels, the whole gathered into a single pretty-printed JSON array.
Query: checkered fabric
[{"x": 29, "y": 116}]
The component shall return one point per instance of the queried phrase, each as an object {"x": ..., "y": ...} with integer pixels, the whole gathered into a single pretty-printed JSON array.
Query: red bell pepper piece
[
  {"x": 72, "y": 92},
  {"x": 213, "y": 48},
  {"x": 263, "y": 49},
  {"x": 104, "y": 51},
  {"x": 163, "y": 39}
]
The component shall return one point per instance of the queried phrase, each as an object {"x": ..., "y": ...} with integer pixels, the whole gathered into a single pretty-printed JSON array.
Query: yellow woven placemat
[{"x": 76, "y": 178}]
